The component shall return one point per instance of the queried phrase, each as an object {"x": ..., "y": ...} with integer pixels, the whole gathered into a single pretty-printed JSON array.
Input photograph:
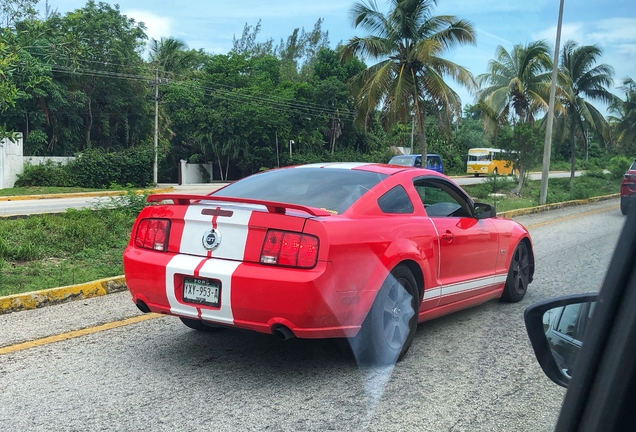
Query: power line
[
  {"x": 343, "y": 112},
  {"x": 312, "y": 109}
]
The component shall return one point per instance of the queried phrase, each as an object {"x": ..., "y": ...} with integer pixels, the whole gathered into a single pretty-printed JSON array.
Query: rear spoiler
[{"x": 272, "y": 207}]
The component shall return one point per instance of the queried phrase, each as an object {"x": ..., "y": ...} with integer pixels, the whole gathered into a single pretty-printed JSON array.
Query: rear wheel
[
  {"x": 624, "y": 206},
  {"x": 518, "y": 275},
  {"x": 389, "y": 329},
  {"x": 199, "y": 325},
  {"x": 495, "y": 171}
]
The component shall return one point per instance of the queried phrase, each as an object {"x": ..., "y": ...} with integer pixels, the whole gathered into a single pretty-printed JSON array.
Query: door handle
[{"x": 448, "y": 236}]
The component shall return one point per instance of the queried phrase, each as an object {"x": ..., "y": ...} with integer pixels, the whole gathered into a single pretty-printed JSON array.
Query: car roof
[
  {"x": 371, "y": 167},
  {"x": 414, "y": 155}
]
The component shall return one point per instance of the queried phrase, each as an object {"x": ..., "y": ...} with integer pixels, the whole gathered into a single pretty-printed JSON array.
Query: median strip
[
  {"x": 79, "y": 194},
  {"x": 37, "y": 299}
]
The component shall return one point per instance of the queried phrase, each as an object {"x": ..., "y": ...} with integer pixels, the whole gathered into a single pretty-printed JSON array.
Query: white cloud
[
  {"x": 156, "y": 26},
  {"x": 614, "y": 30},
  {"x": 569, "y": 31}
]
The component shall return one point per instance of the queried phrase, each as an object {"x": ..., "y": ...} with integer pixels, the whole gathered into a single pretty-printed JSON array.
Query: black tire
[
  {"x": 476, "y": 175},
  {"x": 388, "y": 331},
  {"x": 518, "y": 275},
  {"x": 495, "y": 171},
  {"x": 624, "y": 206},
  {"x": 199, "y": 325}
]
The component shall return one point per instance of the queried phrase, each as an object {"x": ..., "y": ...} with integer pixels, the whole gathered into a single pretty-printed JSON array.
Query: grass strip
[
  {"x": 44, "y": 190},
  {"x": 559, "y": 190}
]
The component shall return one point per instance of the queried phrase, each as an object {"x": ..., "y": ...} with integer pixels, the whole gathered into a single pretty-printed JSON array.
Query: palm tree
[
  {"x": 408, "y": 78},
  {"x": 624, "y": 114},
  {"x": 579, "y": 77},
  {"x": 516, "y": 88},
  {"x": 171, "y": 56}
]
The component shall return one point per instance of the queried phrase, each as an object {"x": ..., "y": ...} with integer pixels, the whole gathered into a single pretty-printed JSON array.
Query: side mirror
[
  {"x": 556, "y": 329},
  {"x": 484, "y": 211}
]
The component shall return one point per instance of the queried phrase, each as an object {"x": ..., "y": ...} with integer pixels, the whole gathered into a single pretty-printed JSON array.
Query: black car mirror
[
  {"x": 484, "y": 211},
  {"x": 556, "y": 329}
]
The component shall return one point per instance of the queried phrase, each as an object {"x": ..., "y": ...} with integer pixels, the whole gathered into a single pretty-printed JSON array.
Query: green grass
[
  {"x": 559, "y": 190},
  {"x": 43, "y": 190},
  {"x": 48, "y": 251}
]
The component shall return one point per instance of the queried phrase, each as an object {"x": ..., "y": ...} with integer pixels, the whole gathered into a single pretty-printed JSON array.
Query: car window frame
[
  {"x": 602, "y": 391},
  {"x": 456, "y": 189}
]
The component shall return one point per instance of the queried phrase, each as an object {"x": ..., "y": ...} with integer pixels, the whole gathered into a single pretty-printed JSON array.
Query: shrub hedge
[{"x": 94, "y": 169}]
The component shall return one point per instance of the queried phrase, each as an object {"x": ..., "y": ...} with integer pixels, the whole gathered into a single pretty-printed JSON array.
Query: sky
[{"x": 211, "y": 25}]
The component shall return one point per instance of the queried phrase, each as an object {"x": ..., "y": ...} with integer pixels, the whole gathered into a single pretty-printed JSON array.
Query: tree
[
  {"x": 172, "y": 57},
  {"x": 515, "y": 89},
  {"x": 580, "y": 78},
  {"x": 624, "y": 116},
  {"x": 409, "y": 78},
  {"x": 12, "y": 11}
]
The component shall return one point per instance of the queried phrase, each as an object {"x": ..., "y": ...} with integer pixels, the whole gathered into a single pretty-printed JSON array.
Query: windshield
[
  {"x": 332, "y": 189},
  {"x": 479, "y": 157}
]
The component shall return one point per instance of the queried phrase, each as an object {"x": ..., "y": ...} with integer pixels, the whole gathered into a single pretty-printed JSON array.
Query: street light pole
[
  {"x": 154, "y": 168},
  {"x": 547, "y": 148}
]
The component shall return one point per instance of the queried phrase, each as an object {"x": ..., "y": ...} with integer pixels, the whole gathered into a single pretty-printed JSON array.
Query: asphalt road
[
  {"x": 58, "y": 205},
  {"x": 470, "y": 371}
]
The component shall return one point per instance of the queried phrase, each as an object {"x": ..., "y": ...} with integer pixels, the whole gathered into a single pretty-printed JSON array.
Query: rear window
[
  {"x": 402, "y": 161},
  {"x": 633, "y": 168},
  {"x": 331, "y": 189}
]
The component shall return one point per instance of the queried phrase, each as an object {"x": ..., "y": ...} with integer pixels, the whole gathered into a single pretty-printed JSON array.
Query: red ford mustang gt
[{"x": 334, "y": 250}]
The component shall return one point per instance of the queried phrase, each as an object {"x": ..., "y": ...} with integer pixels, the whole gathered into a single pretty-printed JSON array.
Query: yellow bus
[{"x": 488, "y": 161}]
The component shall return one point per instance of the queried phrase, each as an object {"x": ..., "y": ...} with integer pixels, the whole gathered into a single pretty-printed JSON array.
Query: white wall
[
  {"x": 10, "y": 162},
  {"x": 39, "y": 160},
  {"x": 191, "y": 174}
]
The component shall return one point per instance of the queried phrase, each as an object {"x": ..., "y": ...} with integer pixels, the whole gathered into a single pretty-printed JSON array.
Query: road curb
[
  {"x": 38, "y": 299},
  {"x": 538, "y": 209},
  {"x": 79, "y": 194}
]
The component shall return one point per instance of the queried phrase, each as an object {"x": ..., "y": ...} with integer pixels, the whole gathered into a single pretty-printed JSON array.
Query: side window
[
  {"x": 396, "y": 201},
  {"x": 441, "y": 200},
  {"x": 569, "y": 319}
]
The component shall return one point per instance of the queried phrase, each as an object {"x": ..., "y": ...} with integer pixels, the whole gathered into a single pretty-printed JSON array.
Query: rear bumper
[{"x": 253, "y": 296}]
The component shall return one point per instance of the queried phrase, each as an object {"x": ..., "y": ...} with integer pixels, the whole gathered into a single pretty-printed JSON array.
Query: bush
[
  {"x": 97, "y": 169},
  {"x": 46, "y": 174},
  {"x": 94, "y": 169},
  {"x": 618, "y": 165}
]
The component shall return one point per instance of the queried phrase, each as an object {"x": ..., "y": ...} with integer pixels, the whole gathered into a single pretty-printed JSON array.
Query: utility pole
[
  {"x": 277, "y": 156},
  {"x": 154, "y": 169},
  {"x": 412, "y": 131},
  {"x": 547, "y": 148}
]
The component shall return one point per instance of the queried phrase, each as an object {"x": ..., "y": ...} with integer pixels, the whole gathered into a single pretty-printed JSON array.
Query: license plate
[{"x": 202, "y": 291}]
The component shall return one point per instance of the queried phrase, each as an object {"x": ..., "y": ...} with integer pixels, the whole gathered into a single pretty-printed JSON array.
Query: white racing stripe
[
  {"x": 218, "y": 269},
  {"x": 180, "y": 264},
  {"x": 233, "y": 231},
  {"x": 223, "y": 271},
  {"x": 469, "y": 285}
]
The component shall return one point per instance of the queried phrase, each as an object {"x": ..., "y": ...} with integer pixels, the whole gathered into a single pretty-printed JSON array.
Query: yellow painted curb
[
  {"x": 79, "y": 194},
  {"x": 37, "y": 299},
  {"x": 532, "y": 210}
]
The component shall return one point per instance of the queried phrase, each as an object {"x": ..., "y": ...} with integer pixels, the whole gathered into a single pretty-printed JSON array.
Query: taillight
[
  {"x": 290, "y": 249},
  {"x": 153, "y": 234}
]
